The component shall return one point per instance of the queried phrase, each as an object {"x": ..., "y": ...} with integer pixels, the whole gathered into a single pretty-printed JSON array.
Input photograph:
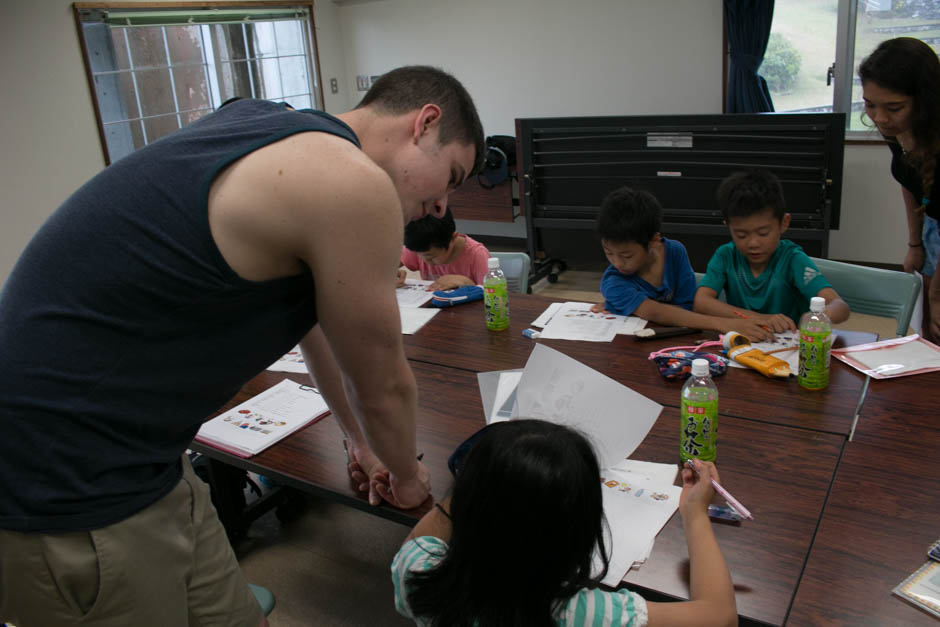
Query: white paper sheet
[
  {"x": 261, "y": 421},
  {"x": 291, "y": 361},
  {"x": 559, "y": 389},
  {"x": 896, "y": 357},
  {"x": 413, "y": 293},
  {"x": 631, "y": 324},
  {"x": 413, "y": 319},
  {"x": 576, "y": 321},
  {"x": 505, "y": 398},
  {"x": 636, "y": 507}
]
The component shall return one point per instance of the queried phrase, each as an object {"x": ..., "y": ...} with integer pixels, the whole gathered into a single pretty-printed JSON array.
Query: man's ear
[
  {"x": 657, "y": 237},
  {"x": 784, "y": 222},
  {"x": 427, "y": 118}
]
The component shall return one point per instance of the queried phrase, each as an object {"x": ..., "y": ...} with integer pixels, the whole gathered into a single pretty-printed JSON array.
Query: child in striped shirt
[{"x": 514, "y": 544}]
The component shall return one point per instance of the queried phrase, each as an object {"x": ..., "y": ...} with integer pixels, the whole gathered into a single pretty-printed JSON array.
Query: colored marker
[{"x": 733, "y": 502}]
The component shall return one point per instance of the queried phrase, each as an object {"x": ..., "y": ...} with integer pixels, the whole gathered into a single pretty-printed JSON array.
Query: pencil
[{"x": 733, "y": 502}]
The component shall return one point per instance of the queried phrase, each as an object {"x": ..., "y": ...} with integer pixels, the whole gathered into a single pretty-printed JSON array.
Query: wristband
[{"x": 917, "y": 245}]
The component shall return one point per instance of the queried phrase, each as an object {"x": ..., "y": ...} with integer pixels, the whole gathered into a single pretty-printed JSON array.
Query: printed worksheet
[
  {"x": 559, "y": 389},
  {"x": 636, "y": 507},
  {"x": 413, "y": 293},
  {"x": 576, "y": 321},
  {"x": 291, "y": 361},
  {"x": 630, "y": 324},
  {"x": 259, "y": 422}
]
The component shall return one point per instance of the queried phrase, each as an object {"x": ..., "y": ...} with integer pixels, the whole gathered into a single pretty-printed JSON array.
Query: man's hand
[
  {"x": 402, "y": 275},
  {"x": 363, "y": 464},
  {"x": 598, "y": 308},
  {"x": 403, "y": 493},
  {"x": 749, "y": 328}
]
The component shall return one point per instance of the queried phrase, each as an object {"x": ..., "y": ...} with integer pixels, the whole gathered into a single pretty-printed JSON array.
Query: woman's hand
[{"x": 914, "y": 259}]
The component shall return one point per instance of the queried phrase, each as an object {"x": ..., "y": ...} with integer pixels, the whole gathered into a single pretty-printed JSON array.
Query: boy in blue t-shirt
[
  {"x": 649, "y": 276},
  {"x": 764, "y": 278}
]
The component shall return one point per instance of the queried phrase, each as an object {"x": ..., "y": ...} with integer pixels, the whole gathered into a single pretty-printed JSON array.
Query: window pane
[
  {"x": 123, "y": 138},
  {"x": 191, "y": 116},
  {"x": 299, "y": 102},
  {"x": 234, "y": 80},
  {"x": 294, "y": 76},
  {"x": 185, "y": 44},
  {"x": 160, "y": 126},
  {"x": 121, "y": 62},
  {"x": 799, "y": 53},
  {"x": 147, "y": 49},
  {"x": 267, "y": 79},
  {"x": 155, "y": 91},
  {"x": 116, "y": 97},
  {"x": 877, "y": 21},
  {"x": 192, "y": 91},
  {"x": 262, "y": 39},
  {"x": 229, "y": 42},
  {"x": 289, "y": 37}
]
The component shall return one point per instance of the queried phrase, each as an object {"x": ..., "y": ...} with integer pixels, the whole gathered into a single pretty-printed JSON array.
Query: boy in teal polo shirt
[{"x": 764, "y": 278}]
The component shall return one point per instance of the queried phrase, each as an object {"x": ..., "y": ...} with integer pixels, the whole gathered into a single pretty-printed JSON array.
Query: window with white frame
[
  {"x": 815, "y": 47},
  {"x": 153, "y": 70}
]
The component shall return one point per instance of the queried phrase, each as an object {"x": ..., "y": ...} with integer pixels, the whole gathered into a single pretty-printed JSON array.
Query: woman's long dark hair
[
  {"x": 910, "y": 67},
  {"x": 527, "y": 513}
]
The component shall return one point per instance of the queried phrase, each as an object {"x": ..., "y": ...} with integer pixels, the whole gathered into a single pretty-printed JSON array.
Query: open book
[{"x": 261, "y": 421}]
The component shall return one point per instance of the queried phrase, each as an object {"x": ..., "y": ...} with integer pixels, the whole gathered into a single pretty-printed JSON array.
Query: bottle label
[
  {"x": 496, "y": 304},
  {"x": 814, "y": 359},
  {"x": 698, "y": 437}
]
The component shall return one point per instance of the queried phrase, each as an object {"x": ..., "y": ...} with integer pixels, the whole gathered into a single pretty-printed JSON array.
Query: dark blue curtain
[{"x": 747, "y": 24}]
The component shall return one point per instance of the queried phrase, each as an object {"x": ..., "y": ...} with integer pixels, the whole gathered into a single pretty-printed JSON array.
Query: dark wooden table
[
  {"x": 313, "y": 459},
  {"x": 781, "y": 473},
  {"x": 882, "y": 513},
  {"x": 457, "y": 337}
]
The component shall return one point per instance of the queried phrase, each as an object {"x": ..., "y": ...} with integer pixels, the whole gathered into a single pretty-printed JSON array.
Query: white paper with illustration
[
  {"x": 559, "y": 389},
  {"x": 291, "y": 361},
  {"x": 413, "y": 293},
  {"x": 636, "y": 507},
  {"x": 264, "y": 419}
]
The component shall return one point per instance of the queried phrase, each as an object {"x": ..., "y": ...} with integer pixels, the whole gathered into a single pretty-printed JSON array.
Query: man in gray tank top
[{"x": 163, "y": 285}]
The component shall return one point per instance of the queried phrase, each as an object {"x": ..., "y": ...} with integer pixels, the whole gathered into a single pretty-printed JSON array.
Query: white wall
[
  {"x": 519, "y": 58},
  {"x": 530, "y": 58}
]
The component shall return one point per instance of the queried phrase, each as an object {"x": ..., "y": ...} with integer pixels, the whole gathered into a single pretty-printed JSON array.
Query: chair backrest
[
  {"x": 873, "y": 291},
  {"x": 698, "y": 281},
  {"x": 516, "y": 268}
]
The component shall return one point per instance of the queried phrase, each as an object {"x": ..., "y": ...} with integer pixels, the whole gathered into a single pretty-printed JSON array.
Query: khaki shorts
[{"x": 170, "y": 564}]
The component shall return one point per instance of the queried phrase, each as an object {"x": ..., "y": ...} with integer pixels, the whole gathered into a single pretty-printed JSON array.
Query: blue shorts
[{"x": 930, "y": 235}]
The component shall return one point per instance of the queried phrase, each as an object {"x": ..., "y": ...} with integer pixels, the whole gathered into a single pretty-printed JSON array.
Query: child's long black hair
[{"x": 527, "y": 513}]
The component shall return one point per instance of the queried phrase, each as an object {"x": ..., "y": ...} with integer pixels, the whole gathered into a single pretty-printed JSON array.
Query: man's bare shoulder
[{"x": 264, "y": 208}]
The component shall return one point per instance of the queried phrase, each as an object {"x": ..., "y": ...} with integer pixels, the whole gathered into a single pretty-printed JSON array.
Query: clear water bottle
[
  {"x": 815, "y": 342},
  {"x": 495, "y": 297},
  {"x": 698, "y": 437}
]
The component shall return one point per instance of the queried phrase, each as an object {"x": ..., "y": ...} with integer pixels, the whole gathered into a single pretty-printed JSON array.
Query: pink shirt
[{"x": 471, "y": 263}]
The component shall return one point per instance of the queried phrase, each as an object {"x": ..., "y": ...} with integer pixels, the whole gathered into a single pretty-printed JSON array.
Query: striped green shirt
[{"x": 587, "y": 608}]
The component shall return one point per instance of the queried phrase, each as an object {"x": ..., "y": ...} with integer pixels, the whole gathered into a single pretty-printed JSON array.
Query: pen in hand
[
  {"x": 746, "y": 317},
  {"x": 733, "y": 502}
]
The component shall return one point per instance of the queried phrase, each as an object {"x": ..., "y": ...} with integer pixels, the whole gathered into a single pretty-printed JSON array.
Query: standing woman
[{"x": 901, "y": 89}]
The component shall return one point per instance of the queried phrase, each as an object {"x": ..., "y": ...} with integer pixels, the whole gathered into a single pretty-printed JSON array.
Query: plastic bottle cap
[
  {"x": 817, "y": 304},
  {"x": 492, "y": 262},
  {"x": 699, "y": 367}
]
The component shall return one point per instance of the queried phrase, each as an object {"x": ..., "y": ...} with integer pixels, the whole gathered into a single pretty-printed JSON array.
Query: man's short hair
[
  {"x": 423, "y": 233},
  {"x": 411, "y": 87},
  {"x": 629, "y": 215},
  {"x": 744, "y": 194}
]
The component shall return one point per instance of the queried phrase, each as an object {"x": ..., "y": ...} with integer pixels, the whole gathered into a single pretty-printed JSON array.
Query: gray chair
[
  {"x": 698, "y": 280},
  {"x": 874, "y": 291},
  {"x": 516, "y": 268}
]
